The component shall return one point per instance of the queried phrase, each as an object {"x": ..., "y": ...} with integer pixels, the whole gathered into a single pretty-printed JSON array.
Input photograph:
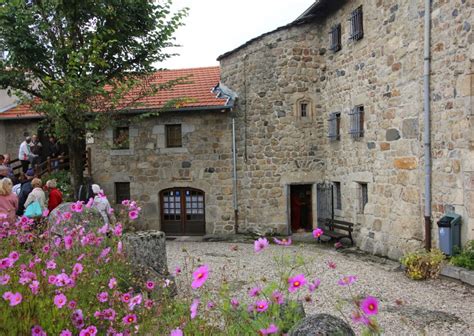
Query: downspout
[
  {"x": 427, "y": 125},
  {"x": 234, "y": 175}
]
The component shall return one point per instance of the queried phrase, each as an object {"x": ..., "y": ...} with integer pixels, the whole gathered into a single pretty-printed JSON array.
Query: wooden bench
[{"x": 329, "y": 227}]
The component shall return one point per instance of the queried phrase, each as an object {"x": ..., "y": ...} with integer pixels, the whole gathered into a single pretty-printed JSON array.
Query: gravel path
[{"x": 434, "y": 307}]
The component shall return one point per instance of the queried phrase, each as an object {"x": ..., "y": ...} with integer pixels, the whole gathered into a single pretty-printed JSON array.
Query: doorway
[
  {"x": 301, "y": 208},
  {"x": 183, "y": 212}
]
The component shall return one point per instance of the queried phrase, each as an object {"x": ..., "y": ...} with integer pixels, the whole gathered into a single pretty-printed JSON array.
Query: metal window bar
[
  {"x": 356, "y": 122},
  {"x": 334, "y": 122},
  {"x": 357, "y": 27},
  {"x": 335, "y": 38}
]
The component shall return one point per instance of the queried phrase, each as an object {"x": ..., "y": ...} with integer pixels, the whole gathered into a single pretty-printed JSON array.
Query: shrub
[
  {"x": 466, "y": 256},
  {"x": 422, "y": 264}
]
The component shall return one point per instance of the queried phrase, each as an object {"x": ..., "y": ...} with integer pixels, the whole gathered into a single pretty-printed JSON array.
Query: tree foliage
[{"x": 78, "y": 59}]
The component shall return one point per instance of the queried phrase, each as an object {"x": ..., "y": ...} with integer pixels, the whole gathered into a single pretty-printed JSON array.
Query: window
[
  {"x": 337, "y": 195},
  {"x": 363, "y": 196},
  {"x": 357, "y": 122},
  {"x": 122, "y": 192},
  {"x": 121, "y": 138},
  {"x": 173, "y": 136},
  {"x": 303, "y": 109},
  {"x": 335, "y": 38},
  {"x": 334, "y": 126},
  {"x": 356, "y": 22}
]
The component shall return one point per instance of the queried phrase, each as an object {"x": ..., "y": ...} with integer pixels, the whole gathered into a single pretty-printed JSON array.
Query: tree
[{"x": 76, "y": 60}]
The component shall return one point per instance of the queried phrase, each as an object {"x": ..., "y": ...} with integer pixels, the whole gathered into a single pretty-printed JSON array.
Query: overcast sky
[{"x": 215, "y": 27}]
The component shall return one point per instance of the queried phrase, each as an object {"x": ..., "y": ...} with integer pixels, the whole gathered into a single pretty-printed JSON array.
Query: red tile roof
[{"x": 196, "y": 91}]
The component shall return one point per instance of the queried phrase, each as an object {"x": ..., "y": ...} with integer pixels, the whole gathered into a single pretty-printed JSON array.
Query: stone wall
[
  {"x": 12, "y": 134},
  {"x": 203, "y": 162},
  {"x": 384, "y": 73}
]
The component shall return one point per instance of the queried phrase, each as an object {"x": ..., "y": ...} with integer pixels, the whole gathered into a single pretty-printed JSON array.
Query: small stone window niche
[
  {"x": 334, "y": 126},
  {"x": 363, "y": 197},
  {"x": 335, "y": 38},
  {"x": 122, "y": 192},
  {"x": 356, "y": 23},
  {"x": 356, "y": 117},
  {"x": 121, "y": 137},
  {"x": 304, "y": 108},
  {"x": 174, "y": 138}
]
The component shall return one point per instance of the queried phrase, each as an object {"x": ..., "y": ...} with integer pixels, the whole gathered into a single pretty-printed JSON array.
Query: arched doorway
[{"x": 183, "y": 211}]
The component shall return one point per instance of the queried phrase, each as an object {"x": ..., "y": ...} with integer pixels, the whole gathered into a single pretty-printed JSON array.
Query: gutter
[{"x": 427, "y": 124}]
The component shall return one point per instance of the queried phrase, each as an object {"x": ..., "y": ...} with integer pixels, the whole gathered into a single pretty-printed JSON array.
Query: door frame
[
  {"x": 314, "y": 210},
  {"x": 183, "y": 209}
]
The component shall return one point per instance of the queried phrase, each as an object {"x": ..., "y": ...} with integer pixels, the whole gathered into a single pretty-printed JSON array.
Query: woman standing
[
  {"x": 8, "y": 201},
  {"x": 101, "y": 203},
  {"x": 37, "y": 194},
  {"x": 55, "y": 196}
]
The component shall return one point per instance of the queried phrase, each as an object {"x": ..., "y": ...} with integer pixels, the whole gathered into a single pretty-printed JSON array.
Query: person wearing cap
[
  {"x": 8, "y": 201},
  {"x": 25, "y": 189},
  {"x": 101, "y": 203},
  {"x": 25, "y": 154},
  {"x": 55, "y": 196}
]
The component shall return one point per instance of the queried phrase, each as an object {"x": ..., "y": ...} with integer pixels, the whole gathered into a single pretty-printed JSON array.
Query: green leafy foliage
[
  {"x": 421, "y": 265},
  {"x": 465, "y": 258},
  {"x": 63, "y": 180}
]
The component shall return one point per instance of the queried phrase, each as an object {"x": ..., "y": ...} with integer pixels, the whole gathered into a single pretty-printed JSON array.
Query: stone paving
[{"x": 407, "y": 307}]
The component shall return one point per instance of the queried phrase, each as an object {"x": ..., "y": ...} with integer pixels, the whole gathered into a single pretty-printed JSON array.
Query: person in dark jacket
[
  {"x": 51, "y": 151},
  {"x": 25, "y": 190}
]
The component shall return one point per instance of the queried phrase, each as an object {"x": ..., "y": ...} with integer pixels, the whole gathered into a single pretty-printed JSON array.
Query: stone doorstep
[{"x": 458, "y": 273}]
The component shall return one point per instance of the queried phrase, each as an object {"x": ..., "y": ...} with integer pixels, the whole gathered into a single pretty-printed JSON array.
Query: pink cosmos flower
[
  {"x": 136, "y": 300},
  {"x": 66, "y": 332},
  {"x": 193, "y": 308},
  {"x": 109, "y": 314},
  {"x": 260, "y": 244},
  {"x": 103, "y": 297},
  {"x": 255, "y": 291},
  {"x": 314, "y": 285},
  {"x": 283, "y": 242},
  {"x": 210, "y": 305},
  {"x": 60, "y": 300},
  {"x": 261, "y": 306},
  {"x": 14, "y": 256},
  {"x": 68, "y": 241},
  {"x": 129, "y": 319},
  {"x": 296, "y": 282},
  {"x": 347, "y": 280},
  {"x": 272, "y": 329},
  {"x": 78, "y": 268},
  {"x": 118, "y": 230},
  {"x": 7, "y": 295},
  {"x": 4, "y": 279},
  {"x": 89, "y": 331},
  {"x": 200, "y": 276},
  {"x": 234, "y": 302},
  {"x": 67, "y": 215},
  {"x": 133, "y": 214},
  {"x": 126, "y": 202},
  {"x": 126, "y": 297},
  {"x": 317, "y": 233},
  {"x": 177, "y": 270},
  {"x": 46, "y": 248},
  {"x": 77, "y": 319},
  {"x": 50, "y": 264},
  {"x": 149, "y": 304},
  {"x": 6, "y": 263},
  {"x": 176, "y": 332},
  {"x": 112, "y": 283},
  {"x": 37, "y": 331},
  {"x": 72, "y": 304},
  {"x": 15, "y": 299},
  {"x": 119, "y": 247},
  {"x": 277, "y": 297},
  {"x": 150, "y": 285},
  {"x": 370, "y": 305}
]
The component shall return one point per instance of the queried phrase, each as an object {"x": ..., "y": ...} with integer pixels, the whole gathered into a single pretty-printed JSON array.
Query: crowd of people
[{"x": 33, "y": 152}]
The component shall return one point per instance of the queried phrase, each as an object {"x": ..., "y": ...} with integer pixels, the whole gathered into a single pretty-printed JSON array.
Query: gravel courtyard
[{"x": 434, "y": 307}]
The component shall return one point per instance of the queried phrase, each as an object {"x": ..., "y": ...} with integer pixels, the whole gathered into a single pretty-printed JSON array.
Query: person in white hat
[{"x": 101, "y": 203}]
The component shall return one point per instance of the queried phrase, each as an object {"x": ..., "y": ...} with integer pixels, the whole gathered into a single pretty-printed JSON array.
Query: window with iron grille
[
  {"x": 303, "y": 109},
  {"x": 121, "y": 139},
  {"x": 337, "y": 195},
  {"x": 357, "y": 26},
  {"x": 334, "y": 126},
  {"x": 363, "y": 196},
  {"x": 357, "y": 122},
  {"x": 173, "y": 136},
  {"x": 122, "y": 191},
  {"x": 335, "y": 38}
]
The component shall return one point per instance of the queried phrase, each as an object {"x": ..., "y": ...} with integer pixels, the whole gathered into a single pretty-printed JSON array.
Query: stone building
[
  {"x": 328, "y": 105},
  {"x": 337, "y": 97}
]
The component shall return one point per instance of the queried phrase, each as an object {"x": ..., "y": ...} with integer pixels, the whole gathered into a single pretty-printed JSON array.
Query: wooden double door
[{"x": 183, "y": 212}]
